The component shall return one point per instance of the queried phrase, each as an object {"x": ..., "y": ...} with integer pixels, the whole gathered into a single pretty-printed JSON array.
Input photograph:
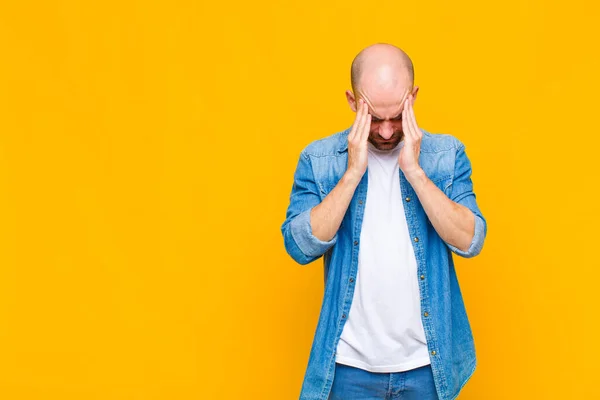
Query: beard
[{"x": 381, "y": 144}]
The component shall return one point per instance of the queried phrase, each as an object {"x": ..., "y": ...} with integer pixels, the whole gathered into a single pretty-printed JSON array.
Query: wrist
[
  {"x": 416, "y": 176},
  {"x": 351, "y": 178}
]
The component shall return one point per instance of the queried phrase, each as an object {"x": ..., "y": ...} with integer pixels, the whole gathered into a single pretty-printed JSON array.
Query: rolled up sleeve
[
  {"x": 462, "y": 193},
  {"x": 299, "y": 241}
]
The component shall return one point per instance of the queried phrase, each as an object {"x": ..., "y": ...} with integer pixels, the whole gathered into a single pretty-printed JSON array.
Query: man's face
[{"x": 385, "y": 106}]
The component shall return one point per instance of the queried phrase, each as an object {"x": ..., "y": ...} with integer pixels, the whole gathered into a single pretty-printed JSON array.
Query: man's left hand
[{"x": 408, "y": 160}]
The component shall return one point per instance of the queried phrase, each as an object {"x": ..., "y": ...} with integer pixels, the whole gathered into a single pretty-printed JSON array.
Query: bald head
[
  {"x": 382, "y": 62},
  {"x": 382, "y": 76}
]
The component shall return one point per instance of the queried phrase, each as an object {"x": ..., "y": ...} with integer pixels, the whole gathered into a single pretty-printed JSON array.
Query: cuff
[
  {"x": 476, "y": 243},
  {"x": 308, "y": 243}
]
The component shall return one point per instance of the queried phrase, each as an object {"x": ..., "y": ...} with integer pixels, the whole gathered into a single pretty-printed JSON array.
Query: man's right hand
[
  {"x": 357, "y": 142},
  {"x": 326, "y": 217}
]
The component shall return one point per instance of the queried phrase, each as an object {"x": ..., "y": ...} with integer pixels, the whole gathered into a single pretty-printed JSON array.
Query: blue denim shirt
[{"x": 447, "y": 330}]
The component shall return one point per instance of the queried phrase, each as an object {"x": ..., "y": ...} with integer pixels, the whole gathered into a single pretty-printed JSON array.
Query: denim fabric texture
[
  {"x": 449, "y": 338},
  {"x": 352, "y": 383}
]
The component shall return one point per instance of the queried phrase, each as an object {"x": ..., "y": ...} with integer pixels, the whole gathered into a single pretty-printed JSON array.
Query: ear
[
  {"x": 414, "y": 93},
  {"x": 351, "y": 100}
]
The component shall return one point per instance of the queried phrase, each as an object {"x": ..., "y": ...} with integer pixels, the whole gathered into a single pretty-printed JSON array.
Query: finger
[
  {"x": 403, "y": 103},
  {"x": 360, "y": 125},
  {"x": 360, "y": 119},
  {"x": 413, "y": 120},
  {"x": 366, "y": 128},
  {"x": 406, "y": 126},
  {"x": 356, "y": 120},
  {"x": 405, "y": 95}
]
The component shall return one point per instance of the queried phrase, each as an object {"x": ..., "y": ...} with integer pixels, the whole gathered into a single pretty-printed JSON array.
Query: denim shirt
[{"x": 447, "y": 330}]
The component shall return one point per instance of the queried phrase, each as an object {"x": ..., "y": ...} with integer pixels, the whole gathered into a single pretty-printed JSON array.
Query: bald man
[{"x": 386, "y": 204}]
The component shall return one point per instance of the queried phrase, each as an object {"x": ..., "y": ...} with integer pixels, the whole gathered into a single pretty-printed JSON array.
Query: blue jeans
[{"x": 350, "y": 383}]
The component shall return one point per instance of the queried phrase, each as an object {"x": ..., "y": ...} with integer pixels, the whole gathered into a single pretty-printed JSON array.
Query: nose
[{"x": 386, "y": 130}]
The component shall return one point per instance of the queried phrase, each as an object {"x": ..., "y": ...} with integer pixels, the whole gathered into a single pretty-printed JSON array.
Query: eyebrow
[{"x": 376, "y": 118}]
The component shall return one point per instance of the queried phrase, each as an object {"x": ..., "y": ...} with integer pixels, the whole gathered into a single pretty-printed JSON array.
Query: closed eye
[{"x": 396, "y": 118}]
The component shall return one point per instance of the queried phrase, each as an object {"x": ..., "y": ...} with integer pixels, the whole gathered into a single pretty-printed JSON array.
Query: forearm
[
  {"x": 454, "y": 222},
  {"x": 327, "y": 216}
]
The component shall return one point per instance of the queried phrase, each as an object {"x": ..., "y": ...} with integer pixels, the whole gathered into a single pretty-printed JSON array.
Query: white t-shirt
[{"x": 384, "y": 331}]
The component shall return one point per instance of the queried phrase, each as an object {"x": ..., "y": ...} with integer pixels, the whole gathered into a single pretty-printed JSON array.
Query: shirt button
[
  {"x": 433, "y": 352},
  {"x": 416, "y": 239},
  {"x": 351, "y": 280},
  {"x": 422, "y": 277},
  {"x": 408, "y": 199},
  {"x": 426, "y": 314},
  {"x": 360, "y": 202},
  {"x": 355, "y": 242},
  {"x": 343, "y": 316}
]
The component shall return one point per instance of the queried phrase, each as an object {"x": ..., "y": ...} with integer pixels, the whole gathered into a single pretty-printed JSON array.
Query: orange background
[{"x": 146, "y": 158}]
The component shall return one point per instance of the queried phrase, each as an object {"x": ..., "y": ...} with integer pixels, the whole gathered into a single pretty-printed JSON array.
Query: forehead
[{"x": 385, "y": 102}]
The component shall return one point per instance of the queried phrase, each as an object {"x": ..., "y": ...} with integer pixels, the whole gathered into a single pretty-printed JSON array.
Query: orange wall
[{"x": 146, "y": 158}]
